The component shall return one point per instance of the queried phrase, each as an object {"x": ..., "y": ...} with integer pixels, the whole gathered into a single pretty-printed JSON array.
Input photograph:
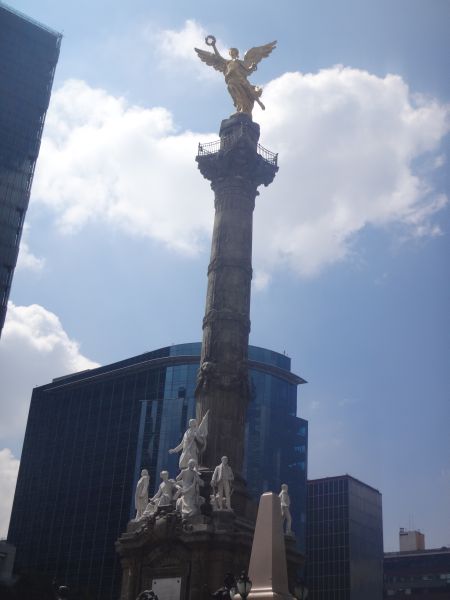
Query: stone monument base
[{"x": 189, "y": 558}]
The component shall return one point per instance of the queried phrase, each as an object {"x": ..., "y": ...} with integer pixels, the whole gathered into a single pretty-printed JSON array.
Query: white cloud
[
  {"x": 9, "y": 467},
  {"x": 102, "y": 160},
  {"x": 260, "y": 280},
  {"x": 179, "y": 45},
  {"x": 34, "y": 348},
  {"x": 27, "y": 260},
  {"x": 175, "y": 49},
  {"x": 347, "y": 143}
]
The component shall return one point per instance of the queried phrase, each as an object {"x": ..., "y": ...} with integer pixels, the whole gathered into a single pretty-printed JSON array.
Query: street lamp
[
  {"x": 228, "y": 590},
  {"x": 244, "y": 585},
  {"x": 63, "y": 592}
]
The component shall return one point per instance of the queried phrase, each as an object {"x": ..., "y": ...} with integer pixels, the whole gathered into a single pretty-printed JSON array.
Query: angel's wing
[
  {"x": 203, "y": 427},
  {"x": 212, "y": 60},
  {"x": 255, "y": 55}
]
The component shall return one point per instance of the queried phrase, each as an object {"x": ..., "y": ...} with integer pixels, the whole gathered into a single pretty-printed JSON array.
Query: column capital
[{"x": 237, "y": 153}]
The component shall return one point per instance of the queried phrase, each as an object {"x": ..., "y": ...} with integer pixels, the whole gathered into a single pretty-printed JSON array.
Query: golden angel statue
[{"x": 236, "y": 71}]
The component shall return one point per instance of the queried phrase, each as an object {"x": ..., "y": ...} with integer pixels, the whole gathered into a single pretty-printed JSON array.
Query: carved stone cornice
[
  {"x": 241, "y": 161},
  {"x": 237, "y": 153},
  {"x": 149, "y": 531}
]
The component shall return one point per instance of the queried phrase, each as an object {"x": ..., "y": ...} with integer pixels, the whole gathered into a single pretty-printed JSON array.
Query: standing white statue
[
  {"x": 285, "y": 508},
  {"x": 141, "y": 494},
  {"x": 222, "y": 479},
  {"x": 188, "y": 495},
  {"x": 165, "y": 494},
  {"x": 193, "y": 442}
]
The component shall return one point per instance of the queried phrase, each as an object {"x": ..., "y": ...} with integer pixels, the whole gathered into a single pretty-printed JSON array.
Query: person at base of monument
[
  {"x": 141, "y": 494},
  {"x": 188, "y": 496},
  {"x": 285, "y": 508},
  {"x": 193, "y": 442},
  {"x": 222, "y": 480}
]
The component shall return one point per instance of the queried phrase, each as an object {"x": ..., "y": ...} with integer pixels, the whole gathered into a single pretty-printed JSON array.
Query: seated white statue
[
  {"x": 167, "y": 488},
  {"x": 164, "y": 497}
]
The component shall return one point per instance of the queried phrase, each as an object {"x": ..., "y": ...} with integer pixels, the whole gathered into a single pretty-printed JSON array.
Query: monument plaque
[{"x": 167, "y": 588}]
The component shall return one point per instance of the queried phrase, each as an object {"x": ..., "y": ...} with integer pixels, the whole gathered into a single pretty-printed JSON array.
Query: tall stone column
[{"x": 235, "y": 166}]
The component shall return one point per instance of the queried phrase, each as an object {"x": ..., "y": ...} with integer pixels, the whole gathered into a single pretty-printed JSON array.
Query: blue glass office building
[
  {"x": 89, "y": 435},
  {"x": 28, "y": 56}
]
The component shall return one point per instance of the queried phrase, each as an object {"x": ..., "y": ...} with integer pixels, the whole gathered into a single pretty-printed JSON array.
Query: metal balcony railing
[
  {"x": 227, "y": 142},
  {"x": 270, "y": 157},
  {"x": 208, "y": 148}
]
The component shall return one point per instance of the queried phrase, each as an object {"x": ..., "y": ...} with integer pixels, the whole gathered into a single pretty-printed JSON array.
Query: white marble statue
[
  {"x": 285, "y": 508},
  {"x": 193, "y": 442},
  {"x": 141, "y": 494},
  {"x": 166, "y": 491},
  {"x": 222, "y": 481},
  {"x": 188, "y": 496}
]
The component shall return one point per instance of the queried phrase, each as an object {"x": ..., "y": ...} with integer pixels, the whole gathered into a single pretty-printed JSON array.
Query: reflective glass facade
[
  {"x": 28, "y": 57},
  {"x": 89, "y": 435},
  {"x": 344, "y": 546}
]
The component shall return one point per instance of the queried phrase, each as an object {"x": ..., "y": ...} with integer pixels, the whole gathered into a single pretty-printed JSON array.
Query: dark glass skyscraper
[
  {"x": 89, "y": 435},
  {"x": 28, "y": 56},
  {"x": 344, "y": 544}
]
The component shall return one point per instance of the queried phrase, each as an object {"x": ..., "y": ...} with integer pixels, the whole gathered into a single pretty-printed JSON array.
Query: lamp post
[
  {"x": 244, "y": 585},
  {"x": 63, "y": 592},
  {"x": 228, "y": 590}
]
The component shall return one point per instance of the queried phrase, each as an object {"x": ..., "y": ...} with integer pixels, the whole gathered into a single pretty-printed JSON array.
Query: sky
[{"x": 351, "y": 240}]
